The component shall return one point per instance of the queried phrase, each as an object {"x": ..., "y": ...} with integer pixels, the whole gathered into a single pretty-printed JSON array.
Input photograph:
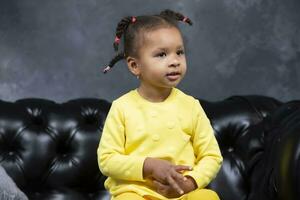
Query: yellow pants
[{"x": 200, "y": 194}]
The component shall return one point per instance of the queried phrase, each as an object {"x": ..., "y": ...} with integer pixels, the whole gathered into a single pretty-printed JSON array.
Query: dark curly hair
[{"x": 133, "y": 28}]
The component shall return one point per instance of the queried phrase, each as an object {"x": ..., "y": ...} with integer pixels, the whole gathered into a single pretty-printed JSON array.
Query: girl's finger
[
  {"x": 157, "y": 184},
  {"x": 161, "y": 179},
  {"x": 182, "y": 168},
  {"x": 160, "y": 188},
  {"x": 174, "y": 185},
  {"x": 178, "y": 176}
]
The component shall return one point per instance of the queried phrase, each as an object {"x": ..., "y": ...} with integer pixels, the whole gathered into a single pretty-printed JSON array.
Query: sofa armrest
[{"x": 288, "y": 179}]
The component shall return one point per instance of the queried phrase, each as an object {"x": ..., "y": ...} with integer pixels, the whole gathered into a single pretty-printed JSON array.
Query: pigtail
[
  {"x": 121, "y": 28},
  {"x": 113, "y": 61},
  {"x": 176, "y": 15}
]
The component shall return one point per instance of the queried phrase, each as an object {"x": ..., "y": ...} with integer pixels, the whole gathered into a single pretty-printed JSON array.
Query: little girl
[{"x": 157, "y": 142}]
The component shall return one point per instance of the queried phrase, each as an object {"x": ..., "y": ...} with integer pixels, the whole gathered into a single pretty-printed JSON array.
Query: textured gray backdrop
[{"x": 56, "y": 49}]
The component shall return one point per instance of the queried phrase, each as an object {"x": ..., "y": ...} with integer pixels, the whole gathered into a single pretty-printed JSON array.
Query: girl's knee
[{"x": 205, "y": 194}]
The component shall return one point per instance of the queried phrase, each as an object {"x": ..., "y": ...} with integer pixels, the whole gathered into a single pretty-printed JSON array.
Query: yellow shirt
[{"x": 176, "y": 130}]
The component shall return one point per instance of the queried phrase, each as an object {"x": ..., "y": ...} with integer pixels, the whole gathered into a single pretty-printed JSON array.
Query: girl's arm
[
  {"x": 112, "y": 159},
  {"x": 206, "y": 149}
]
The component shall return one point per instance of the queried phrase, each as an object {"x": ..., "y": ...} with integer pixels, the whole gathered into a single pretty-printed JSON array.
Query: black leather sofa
[{"x": 49, "y": 148}]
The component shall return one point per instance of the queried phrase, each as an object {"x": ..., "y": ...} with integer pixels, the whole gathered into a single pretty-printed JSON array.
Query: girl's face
[{"x": 161, "y": 63}]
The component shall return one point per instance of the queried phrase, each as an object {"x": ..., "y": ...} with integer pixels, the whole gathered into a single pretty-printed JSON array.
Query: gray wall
[{"x": 56, "y": 49}]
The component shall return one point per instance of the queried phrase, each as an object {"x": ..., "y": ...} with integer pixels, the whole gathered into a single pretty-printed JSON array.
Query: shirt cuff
[
  {"x": 200, "y": 180},
  {"x": 136, "y": 173}
]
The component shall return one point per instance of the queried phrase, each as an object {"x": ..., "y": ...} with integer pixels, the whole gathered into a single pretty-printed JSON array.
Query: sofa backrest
[
  {"x": 240, "y": 134},
  {"x": 49, "y": 148}
]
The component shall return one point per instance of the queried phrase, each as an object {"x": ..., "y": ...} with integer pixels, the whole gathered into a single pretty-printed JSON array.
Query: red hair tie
[
  {"x": 133, "y": 19},
  {"x": 185, "y": 19},
  {"x": 117, "y": 39}
]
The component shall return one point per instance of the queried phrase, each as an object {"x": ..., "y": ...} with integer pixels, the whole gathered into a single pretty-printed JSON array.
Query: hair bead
[
  {"x": 117, "y": 39},
  {"x": 133, "y": 19},
  {"x": 106, "y": 69},
  {"x": 118, "y": 57}
]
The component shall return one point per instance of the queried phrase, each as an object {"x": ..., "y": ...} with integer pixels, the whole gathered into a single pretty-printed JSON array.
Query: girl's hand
[
  {"x": 165, "y": 172},
  {"x": 166, "y": 190}
]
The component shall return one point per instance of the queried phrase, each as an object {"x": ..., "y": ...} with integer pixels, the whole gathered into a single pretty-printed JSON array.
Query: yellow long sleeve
[
  {"x": 112, "y": 159},
  {"x": 208, "y": 156}
]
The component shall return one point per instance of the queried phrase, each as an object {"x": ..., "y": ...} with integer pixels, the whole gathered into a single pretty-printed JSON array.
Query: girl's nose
[{"x": 175, "y": 62}]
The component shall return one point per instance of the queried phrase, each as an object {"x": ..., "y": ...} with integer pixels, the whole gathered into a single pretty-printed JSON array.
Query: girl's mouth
[{"x": 173, "y": 76}]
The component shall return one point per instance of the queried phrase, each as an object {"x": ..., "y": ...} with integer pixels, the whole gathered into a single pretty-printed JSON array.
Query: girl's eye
[
  {"x": 161, "y": 54},
  {"x": 181, "y": 52}
]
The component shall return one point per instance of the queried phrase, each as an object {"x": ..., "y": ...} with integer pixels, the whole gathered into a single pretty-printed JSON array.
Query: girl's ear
[{"x": 133, "y": 65}]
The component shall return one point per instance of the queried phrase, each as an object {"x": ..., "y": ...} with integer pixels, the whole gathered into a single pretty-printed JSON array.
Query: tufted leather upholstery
[{"x": 49, "y": 149}]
